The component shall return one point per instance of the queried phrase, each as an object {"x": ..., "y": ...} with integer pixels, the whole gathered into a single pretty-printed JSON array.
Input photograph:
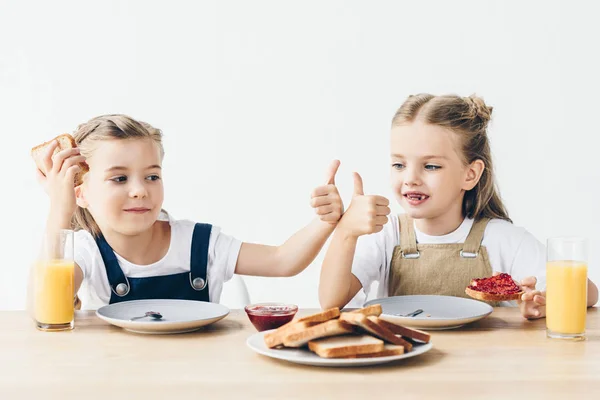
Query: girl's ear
[
  {"x": 79, "y": 197},
  {"x": 474, "y": 172}
]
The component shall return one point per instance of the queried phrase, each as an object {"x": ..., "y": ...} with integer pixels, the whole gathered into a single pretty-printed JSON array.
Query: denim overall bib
[{"x": 191, "y": 285}]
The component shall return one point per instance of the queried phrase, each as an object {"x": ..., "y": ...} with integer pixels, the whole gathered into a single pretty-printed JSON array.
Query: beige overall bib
[{"x": 440, "y": 269}]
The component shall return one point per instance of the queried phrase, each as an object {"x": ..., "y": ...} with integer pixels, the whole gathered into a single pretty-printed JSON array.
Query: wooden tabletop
[{"x": 499, "y": 355}]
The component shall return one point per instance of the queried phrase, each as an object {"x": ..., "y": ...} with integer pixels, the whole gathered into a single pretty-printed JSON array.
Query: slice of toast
[
  {"x": 275, "y": 338},
  {"x": 374, "y": 310},
  {"x": 388, "y": 350},
  {"x": 65, "y": 141},
  {"x": 370, "y": 325},
  {"x": 405, "y": 332},
  {"x": 500, "y": 287},
  {"x": 346, "y": 346},
  {"x": 333, "y": 327},
  {"x": 399, "y": 340},
  {"x": 323, "y": 316}
]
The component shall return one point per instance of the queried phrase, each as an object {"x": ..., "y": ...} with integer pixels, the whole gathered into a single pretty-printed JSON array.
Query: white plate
[
  {"x": 439, "y": 312},
  {"x": 179, "y": 316},
  {"x": 306, "y": 357}
]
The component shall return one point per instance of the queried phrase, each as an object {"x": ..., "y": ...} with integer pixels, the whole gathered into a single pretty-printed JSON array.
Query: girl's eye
[
  {"x": 119, "y": 179},
  {"x": 153, "y": 178},
  {"x": 397, "y": 165},
  {"x": 431, "y": 167}
]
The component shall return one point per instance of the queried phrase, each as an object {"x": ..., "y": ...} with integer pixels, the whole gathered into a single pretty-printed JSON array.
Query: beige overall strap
[
  {"x": 473, "y": 242},
  {"x": 408, "y": 240}
]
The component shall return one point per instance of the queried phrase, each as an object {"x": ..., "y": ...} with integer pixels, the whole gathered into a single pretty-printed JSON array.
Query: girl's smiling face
[
  {"x": 123, "y": 189},
  {"x": 429, "y": 177}
]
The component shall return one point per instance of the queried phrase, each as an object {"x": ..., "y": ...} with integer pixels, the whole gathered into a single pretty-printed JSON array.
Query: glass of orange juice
[
  {"x": 566, "y": 288},
  {"x": 53, "y": 283}
]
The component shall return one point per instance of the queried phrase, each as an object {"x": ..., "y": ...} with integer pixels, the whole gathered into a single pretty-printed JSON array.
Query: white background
[{"x": 255, "y": 99}]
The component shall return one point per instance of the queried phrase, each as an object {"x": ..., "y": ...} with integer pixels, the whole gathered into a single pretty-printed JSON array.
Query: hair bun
[{"x": 479, "y": 110}]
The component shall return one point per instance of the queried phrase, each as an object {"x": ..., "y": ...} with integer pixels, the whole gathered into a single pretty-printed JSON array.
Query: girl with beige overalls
[{"x": 455, "y": 227}]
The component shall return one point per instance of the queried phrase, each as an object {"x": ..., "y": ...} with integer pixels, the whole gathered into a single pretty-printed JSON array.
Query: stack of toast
[{"x": 355, "y": 334}]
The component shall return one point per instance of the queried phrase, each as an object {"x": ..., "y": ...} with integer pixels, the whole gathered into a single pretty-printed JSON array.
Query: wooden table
[{"x": 503, "y": 355}]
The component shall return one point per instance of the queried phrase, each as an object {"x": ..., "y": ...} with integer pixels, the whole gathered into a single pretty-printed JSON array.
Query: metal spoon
[
  {"x": 412, "y": 314},
  {"x": 152, "y": 314}
]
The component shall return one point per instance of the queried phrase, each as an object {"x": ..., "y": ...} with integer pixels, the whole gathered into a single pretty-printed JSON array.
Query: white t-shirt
[
  {"x": 511, "y": 249},
  {"x": 223, "y": 252}
]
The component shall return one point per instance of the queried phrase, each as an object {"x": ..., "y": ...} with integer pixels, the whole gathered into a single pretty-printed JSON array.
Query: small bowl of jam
[{"x": 266, "y": 316}]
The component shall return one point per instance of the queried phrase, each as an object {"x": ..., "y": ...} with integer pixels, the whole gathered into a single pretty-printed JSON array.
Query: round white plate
[
  {"x": 179, "y": 316},
  {"x": 306, "y": 357},
  {"x": 439, "y": 312}
]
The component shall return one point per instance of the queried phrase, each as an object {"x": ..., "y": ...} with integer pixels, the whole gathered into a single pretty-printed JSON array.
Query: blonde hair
[
  {"x": 468, "y": 117},
  {"x": 108, "y": 127}
]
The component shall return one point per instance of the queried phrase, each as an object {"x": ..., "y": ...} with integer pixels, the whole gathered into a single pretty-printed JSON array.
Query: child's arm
[
  {"x": 293, "y": 256},
  {"x": 59, "y": 184},
  {"x": 366, "y": 214}
]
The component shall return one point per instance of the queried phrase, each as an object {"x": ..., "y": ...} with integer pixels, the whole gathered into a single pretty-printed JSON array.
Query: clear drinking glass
[
  {"x": 53, "y": 283},
  {"x": 566, "y": 287}
]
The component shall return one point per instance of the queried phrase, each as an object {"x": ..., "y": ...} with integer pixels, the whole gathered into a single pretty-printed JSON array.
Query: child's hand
[
  {"x": 366, "y": 214},
  {"x": 58, "y": 182},
  {"x": 533, "y": 302},
  {"x": 326, "y": 200}
]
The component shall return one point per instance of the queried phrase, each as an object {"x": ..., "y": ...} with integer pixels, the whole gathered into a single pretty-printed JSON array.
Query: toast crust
[
  {"x": 492, "y": 296},
  {"x": 334, "y": 327},
  {"x": 62, "y": 139},
  {"x": 388, "y": 350},
  {"x": 346, "y": 347},
  {"x": 403, "y": 331},
  {"x": 372, "y": 310},
  {"x": 275, "y": 338},
  {"x": 370, "y": 325},
  {"x": 323, "y": 316},
  {"x": 399, "y": 341}
]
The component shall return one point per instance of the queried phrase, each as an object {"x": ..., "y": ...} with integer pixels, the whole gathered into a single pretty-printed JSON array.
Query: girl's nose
[
  {"x": 412, "y": 177},
  {"x": 137, "y": 191}
]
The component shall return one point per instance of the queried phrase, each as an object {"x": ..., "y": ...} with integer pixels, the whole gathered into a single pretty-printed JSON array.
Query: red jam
[
  {"x": 270, "y": 316},
  {"x": 499, "y": 284}
]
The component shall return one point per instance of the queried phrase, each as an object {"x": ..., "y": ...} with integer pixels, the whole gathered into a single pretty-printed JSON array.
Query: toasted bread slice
[
  {"x": 398, "y": 341},
  {"x": 492, "y": 296},
  {"x": 388, "y": 350},
  {"x": 372, "y": 327},
  {"x": 374, "y": 310},
  {"x": 346, "y": 346},
  {"x": 409, "y": 333},
  {"x": 333, "y": 327},
  {"x": 275, "y": 338},
  {"x": 500, "y": 287},
  {"x": 65, "y": 141},
  {"x": 323, "y": 316}
]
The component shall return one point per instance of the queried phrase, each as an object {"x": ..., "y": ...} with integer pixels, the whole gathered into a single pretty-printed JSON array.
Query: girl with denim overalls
[
  {"x": 455, "y": 227},
  {"x": 128, "y": 248}
]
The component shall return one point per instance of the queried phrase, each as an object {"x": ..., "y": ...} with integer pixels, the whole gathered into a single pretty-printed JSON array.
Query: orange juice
[
  {"x": 566, "y": 297},
  {"x": 54, "y": 292}
]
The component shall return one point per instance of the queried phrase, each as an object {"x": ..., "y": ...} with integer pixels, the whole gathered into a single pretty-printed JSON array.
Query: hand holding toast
[
  {"x": 56, "y": 173},
  {"x": 366, "y": 214},
  {"x": 326, "y": 199},
  {"x": 532, "y": 302}
]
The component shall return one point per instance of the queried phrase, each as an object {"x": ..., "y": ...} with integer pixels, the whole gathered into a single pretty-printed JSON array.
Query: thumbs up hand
[
  {"x": 326, "y": 200},
  {"x": 366, "y": 214}
]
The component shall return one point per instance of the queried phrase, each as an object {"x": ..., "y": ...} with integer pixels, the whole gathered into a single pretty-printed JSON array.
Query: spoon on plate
[
  {"x": 152, "y": 314},
  {"x": 412, "y": 314}
]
